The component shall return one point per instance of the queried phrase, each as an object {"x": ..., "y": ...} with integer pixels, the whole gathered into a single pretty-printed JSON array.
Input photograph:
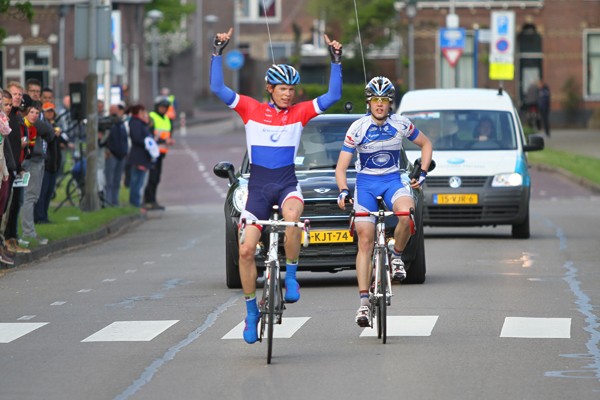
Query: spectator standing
[
  {"x": 139, "y": 157},
  {"x": 34, "y": 164},
  {"x": 33, "y": 87},
  {"x": 163, "y": 135},
  {"x": 117, "y": 147},
  {"x": 5, "y": 255},
  {"x": 544, "y": 105},
  {"x": 52, "y": 164},
  {"x": 172, "y": 110},
  {"x": 17, "y": 140}
]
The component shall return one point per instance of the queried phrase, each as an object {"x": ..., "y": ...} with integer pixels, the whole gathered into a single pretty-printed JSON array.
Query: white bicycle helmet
[{"x": 380, "y": 86}]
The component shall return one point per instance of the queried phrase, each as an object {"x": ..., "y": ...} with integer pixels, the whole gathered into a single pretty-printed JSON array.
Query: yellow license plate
[
  {"x": 466, "y": 198},
  {"x": 319, "y": 237}
]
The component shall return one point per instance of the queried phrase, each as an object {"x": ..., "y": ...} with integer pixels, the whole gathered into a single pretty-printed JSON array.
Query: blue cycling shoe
[
  {"x": 250, "y": 330},
  {"x": 292, "y": 291}
]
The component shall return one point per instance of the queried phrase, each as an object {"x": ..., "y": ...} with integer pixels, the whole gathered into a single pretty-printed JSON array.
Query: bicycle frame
[{"x": 272, "y": 304}]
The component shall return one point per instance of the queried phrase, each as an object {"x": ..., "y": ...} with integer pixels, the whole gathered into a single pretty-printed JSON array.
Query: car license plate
[
  {"x": 341, "y": 236},
  {"x": 466, "y": 198}
]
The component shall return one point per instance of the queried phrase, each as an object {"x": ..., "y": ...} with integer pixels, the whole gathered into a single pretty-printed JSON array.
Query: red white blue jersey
[
  {"x": 378, "y": 146},
  {"x": 272, "y": 136}
]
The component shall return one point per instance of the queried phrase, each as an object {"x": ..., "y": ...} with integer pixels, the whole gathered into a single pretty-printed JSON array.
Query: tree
[{"x": 19, "y": 11}]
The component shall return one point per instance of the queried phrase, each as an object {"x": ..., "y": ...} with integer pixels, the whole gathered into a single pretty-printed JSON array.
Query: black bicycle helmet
[
  {"x": 282, "y": 74},
  {"x": 380, "y": 86}
]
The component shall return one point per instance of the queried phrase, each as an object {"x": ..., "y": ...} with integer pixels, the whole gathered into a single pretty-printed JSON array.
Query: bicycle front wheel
[
  {"x": 382, "y": 298},
  {"x": 271, "y": 305}
]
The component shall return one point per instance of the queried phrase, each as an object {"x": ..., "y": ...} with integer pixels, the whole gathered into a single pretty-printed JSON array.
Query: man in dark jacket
[
  {"x": 544, "y": 105},
  {"x": 117, "y": 147}
]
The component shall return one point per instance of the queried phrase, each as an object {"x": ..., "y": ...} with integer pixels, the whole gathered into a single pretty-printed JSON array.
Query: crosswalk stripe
[
  {"x": 288, "y": 327},
  {"x": 12, "y": 331},
  {"x": 407, "y": 325},
  {"x": 536, "y": 328},
  {"x": 131, "y": 331}
]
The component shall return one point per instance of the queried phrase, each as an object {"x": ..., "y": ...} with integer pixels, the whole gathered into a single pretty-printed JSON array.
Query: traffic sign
[
  {"x": 234, "y": 59},
  {"x": 452, "y": 44}
]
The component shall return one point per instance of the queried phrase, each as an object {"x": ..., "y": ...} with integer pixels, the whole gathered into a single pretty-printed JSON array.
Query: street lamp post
[
  {"x": 411, "y": 12},
  {"x": 155, "y": 17}
]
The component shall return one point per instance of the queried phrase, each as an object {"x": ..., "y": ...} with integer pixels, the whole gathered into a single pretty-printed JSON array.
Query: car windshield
[
  {"x": 320, "y": 144},
  {"x": 465, "y": 129}
]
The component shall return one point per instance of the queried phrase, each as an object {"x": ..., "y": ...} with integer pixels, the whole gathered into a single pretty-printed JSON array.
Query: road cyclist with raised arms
[
  {"x": 377, "y": 138},
  {"x": 273, "y": 131}
]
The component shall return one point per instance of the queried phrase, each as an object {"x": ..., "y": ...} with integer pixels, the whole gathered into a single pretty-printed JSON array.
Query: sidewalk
[{"x": 585, "y": 142}]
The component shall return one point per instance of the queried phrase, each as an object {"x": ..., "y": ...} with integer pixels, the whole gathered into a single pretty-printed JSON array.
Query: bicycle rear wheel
[{"x": 271, "y": 305}]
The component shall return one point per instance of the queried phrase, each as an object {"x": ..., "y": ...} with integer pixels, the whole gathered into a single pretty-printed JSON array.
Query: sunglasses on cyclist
[{"x": 383, "y": 100}]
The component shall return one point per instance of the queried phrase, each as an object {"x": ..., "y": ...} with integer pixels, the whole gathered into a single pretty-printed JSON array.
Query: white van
[{"x": 481, "y": 176}]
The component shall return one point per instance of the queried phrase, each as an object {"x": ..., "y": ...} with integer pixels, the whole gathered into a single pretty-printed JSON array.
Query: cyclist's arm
[
  {"x": 217, "y": 84},
  {"x": 343, "y": 163},
  {"x": 335, "y": 88},
  {"x": 426, "y": 150}
]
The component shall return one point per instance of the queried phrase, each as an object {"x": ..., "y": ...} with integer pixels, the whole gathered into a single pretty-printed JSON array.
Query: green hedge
[{"x": 354, "y": 93}]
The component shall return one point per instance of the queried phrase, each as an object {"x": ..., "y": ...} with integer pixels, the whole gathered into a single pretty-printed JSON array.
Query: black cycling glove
[
  {"x": 336, "y": 55},
  {"x": 219, "y": 45}
]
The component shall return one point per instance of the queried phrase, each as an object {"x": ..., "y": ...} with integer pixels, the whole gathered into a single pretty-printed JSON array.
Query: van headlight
[
  {"x": 507, "y": 180},
  {"x": 240, "y": 195}
]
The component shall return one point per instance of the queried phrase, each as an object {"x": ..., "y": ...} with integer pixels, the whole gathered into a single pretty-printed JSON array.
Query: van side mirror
[{"x": 535, "y": 143}]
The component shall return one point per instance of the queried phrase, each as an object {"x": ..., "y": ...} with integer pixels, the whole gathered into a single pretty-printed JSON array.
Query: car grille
[
  {"x": 467, "y": 181},
  {"x": 440, "y": 214},
  {"x": 326, "y": 214}
]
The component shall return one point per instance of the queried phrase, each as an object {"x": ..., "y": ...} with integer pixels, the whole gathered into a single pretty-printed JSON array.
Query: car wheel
[
  {"x": 415, "y": 272},
  {"x": 521, "y": 231},
  {"x": 232, "y": 270}
]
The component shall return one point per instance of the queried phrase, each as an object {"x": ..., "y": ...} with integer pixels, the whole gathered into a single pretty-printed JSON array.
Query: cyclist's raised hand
[
  {"x": 220, "y": 42},
  {"x": 335, "y": 50},
  {"x": 344, "y": 194}
]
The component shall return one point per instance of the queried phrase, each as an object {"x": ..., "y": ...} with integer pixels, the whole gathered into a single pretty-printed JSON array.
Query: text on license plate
[
  {"x": 463, "y": 198},
  {"x": 341, "y": 236}
]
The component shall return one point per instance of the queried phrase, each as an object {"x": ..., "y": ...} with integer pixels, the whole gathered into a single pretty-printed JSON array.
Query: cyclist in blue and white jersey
[
  {"x": 273, "y": 132},
  {"x": 377, "y": 138}
]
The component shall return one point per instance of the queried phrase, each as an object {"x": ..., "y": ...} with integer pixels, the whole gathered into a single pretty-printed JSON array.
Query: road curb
[
  {"x": 59, "y": 247},
  {"x": 575, "y": 178}
]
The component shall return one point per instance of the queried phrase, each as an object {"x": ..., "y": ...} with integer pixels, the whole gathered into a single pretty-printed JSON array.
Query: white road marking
[
  {"x": 84, "y": 291},
  {"x": 536, "y": 328},
  {"x": 131, "y": 331},
  {"x": 58, "y": 303},
  {"x": 26, "y": 318},
  {"x": 13, "y": 331},
  {"x": 409, "y": 325},
  {"x": 109, "y": 280},
  {"x": 286, "y": 330}
]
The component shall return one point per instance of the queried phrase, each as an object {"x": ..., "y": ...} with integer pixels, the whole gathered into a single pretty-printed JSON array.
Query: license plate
[
  {"x": 319, "y": 237},
  {"x": 467, "y": 198}
]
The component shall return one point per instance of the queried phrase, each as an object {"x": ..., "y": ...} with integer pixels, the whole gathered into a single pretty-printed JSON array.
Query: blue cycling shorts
[{"x": 368, "y": 187}]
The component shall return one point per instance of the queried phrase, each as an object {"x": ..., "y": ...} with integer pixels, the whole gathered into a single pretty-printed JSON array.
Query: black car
[{"x": 331, "y": 247}]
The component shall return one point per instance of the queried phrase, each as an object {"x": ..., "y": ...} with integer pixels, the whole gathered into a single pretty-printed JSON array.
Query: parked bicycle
[
  {"x": 271, "y": 305},
  {"x": 380, "y": 292}
]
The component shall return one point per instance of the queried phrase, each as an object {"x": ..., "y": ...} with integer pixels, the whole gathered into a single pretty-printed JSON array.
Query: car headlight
[
  {"x": 506, "y": 180},
  {"x": 240, "y": 195}
]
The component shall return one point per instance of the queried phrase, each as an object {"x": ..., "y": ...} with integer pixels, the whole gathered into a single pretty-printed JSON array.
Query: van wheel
[{"x": 521, "y": 231}]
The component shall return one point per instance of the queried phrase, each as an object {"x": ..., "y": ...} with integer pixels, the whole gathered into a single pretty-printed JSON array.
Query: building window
[
  {"x": 255, "y": 11},
  {"x": 282, "y": 51},
  {"x": 36, "y": 64},
  {"x": 462, "y": 75},
  {"x": 592, "y": 72}
]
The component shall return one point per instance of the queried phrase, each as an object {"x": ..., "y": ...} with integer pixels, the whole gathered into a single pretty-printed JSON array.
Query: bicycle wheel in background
[
  {"x": 271, "y": 304},
  {"x": 73, "y": 192}
]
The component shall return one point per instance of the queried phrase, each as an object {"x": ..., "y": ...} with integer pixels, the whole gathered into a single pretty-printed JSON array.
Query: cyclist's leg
[
  {"x": 401, "y": 200},
  {"x": 364, "y": 200},
  {"x": 291, "y": 210}
]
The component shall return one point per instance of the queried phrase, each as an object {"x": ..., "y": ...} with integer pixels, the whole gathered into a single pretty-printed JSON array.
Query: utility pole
[{"x": 90, "y": 200}]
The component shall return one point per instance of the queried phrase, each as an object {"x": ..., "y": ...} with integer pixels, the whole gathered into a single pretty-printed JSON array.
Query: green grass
[{"x": 584, "y": 167}]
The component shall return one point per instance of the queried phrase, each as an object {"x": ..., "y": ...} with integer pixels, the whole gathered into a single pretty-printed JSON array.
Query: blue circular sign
[
  {"x": 234, "y": 59},
  {"x": 502, "y": 45}
]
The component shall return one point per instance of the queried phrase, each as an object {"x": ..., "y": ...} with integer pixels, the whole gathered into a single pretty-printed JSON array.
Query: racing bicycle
[
  {"x": 380, "y": 291},
  {"x": 271, "y": 305}
]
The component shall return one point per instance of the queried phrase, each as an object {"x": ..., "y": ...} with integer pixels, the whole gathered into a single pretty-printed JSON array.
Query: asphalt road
[{"x": 147, "y": 315}]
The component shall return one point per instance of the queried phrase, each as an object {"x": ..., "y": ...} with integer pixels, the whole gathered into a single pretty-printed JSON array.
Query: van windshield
[{"x": 465, "y": 129}]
